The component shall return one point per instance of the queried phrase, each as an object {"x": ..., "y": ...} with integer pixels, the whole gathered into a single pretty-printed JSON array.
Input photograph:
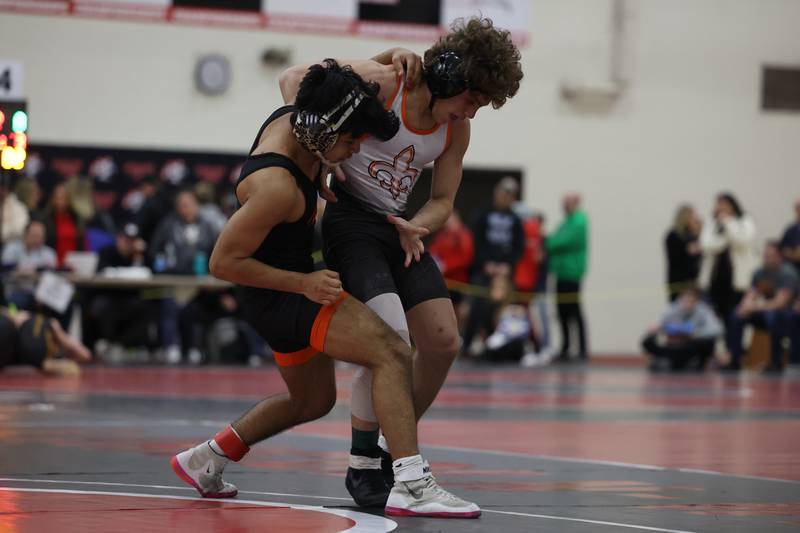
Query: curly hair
[{"x": 491, "y": 61}]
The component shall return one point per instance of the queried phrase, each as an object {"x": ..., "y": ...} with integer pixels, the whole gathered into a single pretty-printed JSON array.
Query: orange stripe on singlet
[{"x": 319, "y": 330}]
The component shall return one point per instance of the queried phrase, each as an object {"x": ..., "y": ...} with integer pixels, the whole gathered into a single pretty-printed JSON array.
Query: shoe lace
[{"x": 441, "y": 493}]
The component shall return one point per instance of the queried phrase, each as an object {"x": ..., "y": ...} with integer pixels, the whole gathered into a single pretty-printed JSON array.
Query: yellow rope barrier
[{"x": 567, "y": 297}]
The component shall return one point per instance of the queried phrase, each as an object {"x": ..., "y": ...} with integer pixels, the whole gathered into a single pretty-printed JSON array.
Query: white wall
[{"x": 688, "y": 126}]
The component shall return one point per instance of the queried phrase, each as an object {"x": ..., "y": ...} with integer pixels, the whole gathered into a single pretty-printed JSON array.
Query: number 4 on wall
[
  {"x": 5, "y": 79},
  {"x": 11, "y": 73}
]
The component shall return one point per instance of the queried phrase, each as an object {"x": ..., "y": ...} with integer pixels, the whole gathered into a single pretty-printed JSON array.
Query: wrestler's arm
[
  {"x": 73, "y": 348},
  {"x": 447, "y": 170},
  {"x": 269, "y": 199},
  {"x": 384, "y": 75}
]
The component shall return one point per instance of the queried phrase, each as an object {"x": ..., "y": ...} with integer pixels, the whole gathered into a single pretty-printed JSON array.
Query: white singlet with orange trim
[{"x": 382, "y": 174}]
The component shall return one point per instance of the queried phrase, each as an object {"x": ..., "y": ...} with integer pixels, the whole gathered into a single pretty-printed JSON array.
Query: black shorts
[
  {"x": 293, "y": 326},
  {"x": 364, "y": 248}
]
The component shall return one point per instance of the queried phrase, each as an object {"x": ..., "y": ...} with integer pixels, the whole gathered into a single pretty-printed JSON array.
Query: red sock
[{"x": 231, "y": 444}]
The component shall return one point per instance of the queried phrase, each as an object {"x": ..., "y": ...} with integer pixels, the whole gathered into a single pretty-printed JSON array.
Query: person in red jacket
[
  {"x": 453, "y": 250},
  {"x": 526, "y": 273}
]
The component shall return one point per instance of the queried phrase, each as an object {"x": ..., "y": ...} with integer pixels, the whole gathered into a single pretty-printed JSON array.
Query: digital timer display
[{"x": 13, "y": 135}]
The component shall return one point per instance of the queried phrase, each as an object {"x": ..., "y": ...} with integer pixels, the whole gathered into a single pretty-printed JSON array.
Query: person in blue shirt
[{"x": 685, "y": 335}]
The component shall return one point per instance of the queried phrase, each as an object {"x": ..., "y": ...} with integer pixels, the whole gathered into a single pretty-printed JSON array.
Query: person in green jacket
[{"x": 568, "y": 251}]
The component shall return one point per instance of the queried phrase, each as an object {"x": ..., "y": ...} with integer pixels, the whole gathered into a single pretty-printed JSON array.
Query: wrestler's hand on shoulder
[
  {"x": 410, "y": 238},
  {"x": 322, "y": 287},
  {"x": 409, "y": 64}
]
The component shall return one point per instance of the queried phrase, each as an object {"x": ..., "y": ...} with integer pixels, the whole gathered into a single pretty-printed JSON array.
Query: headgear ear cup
[
  {"x": 444, "y": 77},
  {"x": 318, "y": 133}
]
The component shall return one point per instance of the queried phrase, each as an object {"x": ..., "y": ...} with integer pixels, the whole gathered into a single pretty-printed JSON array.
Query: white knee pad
[{"x": 390, "y": 309}]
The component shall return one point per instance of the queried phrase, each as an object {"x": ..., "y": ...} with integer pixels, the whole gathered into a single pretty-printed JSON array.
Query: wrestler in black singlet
[{"x": 284, "y": 319}]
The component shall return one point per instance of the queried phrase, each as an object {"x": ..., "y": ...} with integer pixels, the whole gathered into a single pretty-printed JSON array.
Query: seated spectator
[
  {"x": 210, "y": 211},
  {"x": 767, "y": 304},
  {"x": 790, "y": 243},
  {"x": 143, "y": 204},
  {"x": 27, "y": 256},
  {"x": 41, "y": 342},
  {"x": 218, "y": 311},
  {"x": 181, "y": 244},
  {"x": 29, "y": 193},
  {"x": 65, "y": 230},
  {"x": 685, "y": 336},
  {"x": 118, "y": 316},
  {"x": 15, "y": 215},
  {"x": 511, "y": 336},
  {"x": 181, "y": 238}
]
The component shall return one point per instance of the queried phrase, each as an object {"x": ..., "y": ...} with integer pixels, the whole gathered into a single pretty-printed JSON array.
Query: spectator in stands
[
  {"x": 790, "y": 243},
  {"x": 119, "y": 316},
  {"x": 499, "y": 241},
  {"x": 145, "y": 206},
  {"x": 64, "y": 228},
  {"x": 162, "y": 202},
  {"x": 683, "y": 251},
  {"x": 526, "y": 272},
  {"x": 453, "y": 250},
  {"x": 38, "y": 341},
  {"x": 527, "y": 268},
  {"x": 794, "y": 336},
  {"x": 107, "y": 219},
  {"x": 568, "y": 251},
  {"x": 15, "y": 214},
  {"x": 690, "y": 329},
  {"x": 81, "y": 197},
  {"x": 203, "y": 314},
  {"x": 538, "y": 310},
  {"x": 182, "y": 244},
  {"x": 27, "y": 256},
  {"x": 767, "y": 304},
  {"x": 182, "y": 237},
  {"x": 728, "y": 242},
  {"x": 210, "y": 210},
  {"x": 29, "y": 193}
]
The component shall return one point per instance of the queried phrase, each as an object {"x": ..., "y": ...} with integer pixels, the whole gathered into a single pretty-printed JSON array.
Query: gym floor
[{"x": 567, "y": 449}]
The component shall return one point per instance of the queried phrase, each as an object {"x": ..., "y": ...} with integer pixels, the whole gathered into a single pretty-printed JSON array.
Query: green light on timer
[{"x": 19, "y": 122}]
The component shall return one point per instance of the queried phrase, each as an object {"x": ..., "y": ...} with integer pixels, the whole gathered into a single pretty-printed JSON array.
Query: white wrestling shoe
[
  {"x": 424, "y": 497},
  {"x": 201, "y": 468}
]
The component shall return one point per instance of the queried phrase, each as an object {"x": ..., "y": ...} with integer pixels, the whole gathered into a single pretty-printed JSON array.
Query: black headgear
[{"x": 445, "y": 77}]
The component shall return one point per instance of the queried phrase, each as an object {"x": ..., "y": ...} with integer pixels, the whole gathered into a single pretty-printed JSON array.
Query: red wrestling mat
[{"x": 37, "y": 512}]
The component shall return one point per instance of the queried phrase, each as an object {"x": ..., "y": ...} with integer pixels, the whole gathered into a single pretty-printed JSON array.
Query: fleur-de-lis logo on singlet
[{"x": 396, "y": 177}]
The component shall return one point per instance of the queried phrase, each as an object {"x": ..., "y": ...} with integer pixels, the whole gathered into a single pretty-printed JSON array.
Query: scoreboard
[{"x": 13, "y": 134}]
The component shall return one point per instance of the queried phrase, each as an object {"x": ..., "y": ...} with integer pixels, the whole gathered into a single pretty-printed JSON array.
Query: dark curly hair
[
  {"x": 324, "y": 86},
  {"x": 491, "y": 61}
]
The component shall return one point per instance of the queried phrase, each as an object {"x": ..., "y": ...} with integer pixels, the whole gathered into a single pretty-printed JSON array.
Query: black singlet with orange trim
[{"x": 288, "y": 245}]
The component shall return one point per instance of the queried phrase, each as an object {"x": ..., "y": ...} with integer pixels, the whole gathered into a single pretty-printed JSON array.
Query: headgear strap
[{"x": 318, "y": 133}]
